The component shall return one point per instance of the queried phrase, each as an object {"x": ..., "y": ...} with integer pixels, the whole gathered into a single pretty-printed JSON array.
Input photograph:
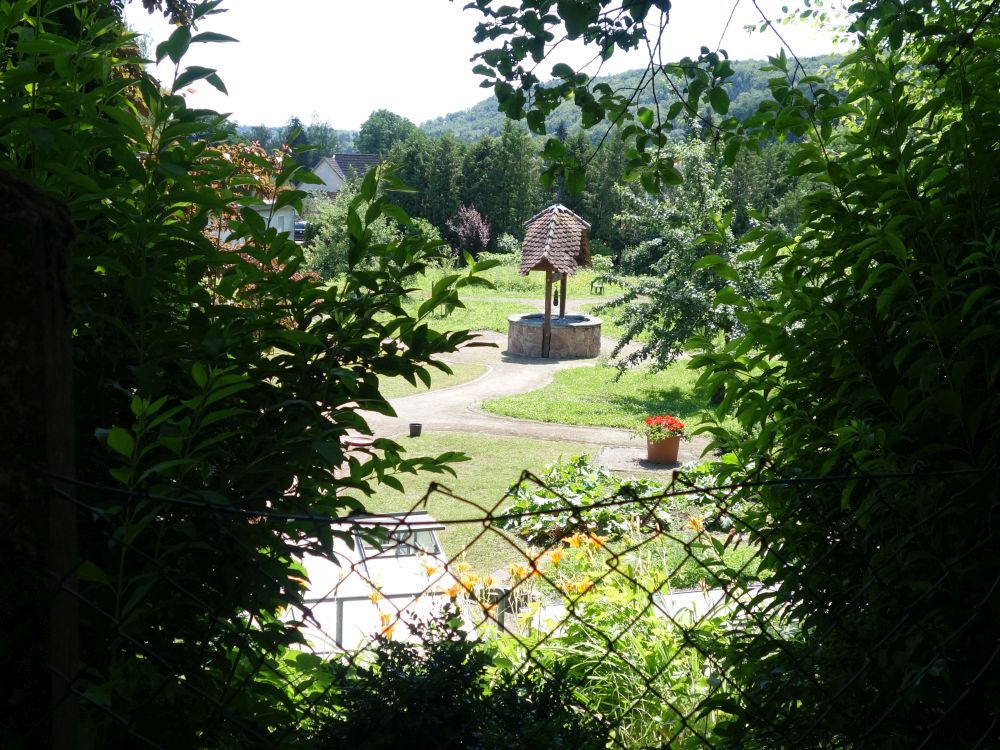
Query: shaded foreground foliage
[
  {"x": 228, "y": 378},
  {"x": 446, "y": 691},
  {"x": 873, "y": 354},
  {"x": 209, "y": 368},
  {"x": 876, "y": 354}
]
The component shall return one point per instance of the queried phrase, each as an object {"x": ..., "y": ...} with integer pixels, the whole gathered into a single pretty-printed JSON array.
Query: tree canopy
[{"x": 381, "y": 131}]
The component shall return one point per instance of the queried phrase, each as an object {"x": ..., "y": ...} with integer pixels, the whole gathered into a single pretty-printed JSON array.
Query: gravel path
[{"x": 459, "y": 408}]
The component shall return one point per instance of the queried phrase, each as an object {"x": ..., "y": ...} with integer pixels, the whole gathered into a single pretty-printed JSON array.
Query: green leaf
[
  {"x": 369, "y": 186},
  {"x": 121, "y": 441},
  {"x": 719, "y": 100},
  {"x": 576, "y": 14},
  {"x": 554, "y": 149},
  {"x": 199, "y": 375},
  {"x": 211, "y": 37},
  {"x": 391, "y": 481},
  {"x": 190, "y": 75},
  {"x": 175, "y": 46},
  {"x": 217, "y": 83},
  {"x": 726, "y": 296},
  {"x": 576, "y": 180},
  {"x": 536, "y": 121}
]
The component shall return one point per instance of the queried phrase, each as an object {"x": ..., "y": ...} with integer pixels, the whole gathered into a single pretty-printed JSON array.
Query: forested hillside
[{"x": 748, "y": 87}]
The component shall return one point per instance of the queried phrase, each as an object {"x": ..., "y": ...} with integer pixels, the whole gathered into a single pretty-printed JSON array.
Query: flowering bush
[
  {"x": 561, "y": 505},
  {"x": 662, "y": 427}
]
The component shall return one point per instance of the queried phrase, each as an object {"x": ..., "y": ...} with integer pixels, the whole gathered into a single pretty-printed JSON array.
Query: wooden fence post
[{"x": 39, "y": 554}]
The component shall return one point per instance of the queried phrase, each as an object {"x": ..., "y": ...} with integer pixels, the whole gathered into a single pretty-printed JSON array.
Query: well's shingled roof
[{"x": 555, "y": 239}]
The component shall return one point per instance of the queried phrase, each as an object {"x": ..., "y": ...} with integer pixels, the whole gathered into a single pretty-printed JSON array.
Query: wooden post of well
[
  {"x": 547, "y": 323},
  {"x": 562, "y": 295}
]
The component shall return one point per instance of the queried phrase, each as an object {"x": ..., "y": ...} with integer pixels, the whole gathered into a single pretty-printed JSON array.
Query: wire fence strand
[{"x": 634, "y": 620}]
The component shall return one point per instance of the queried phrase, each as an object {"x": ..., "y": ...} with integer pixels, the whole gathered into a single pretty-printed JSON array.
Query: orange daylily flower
[
  {"x": 430, "y": 568},
  {"x": 518, "y": 571},
  {"x": 597, "y": 541},
  {"x": 575, "y": 585}
]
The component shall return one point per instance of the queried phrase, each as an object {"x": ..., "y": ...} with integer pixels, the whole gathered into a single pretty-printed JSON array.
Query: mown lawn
[
  {"x": 609, "y": 321},
  {"x": 496, "y": 464},
  {"x": 462, "y": 372},
  {"x": 510, "y": 283},
  {"x": 477, "y": 315},
  {"x": 592, "y": 396}
]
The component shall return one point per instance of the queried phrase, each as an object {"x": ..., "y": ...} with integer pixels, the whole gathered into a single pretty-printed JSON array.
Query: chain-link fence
[{"x": 701, "y": 615}]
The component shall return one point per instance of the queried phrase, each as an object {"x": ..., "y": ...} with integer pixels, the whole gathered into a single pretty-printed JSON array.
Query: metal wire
[{"x": 645, "y": 662}]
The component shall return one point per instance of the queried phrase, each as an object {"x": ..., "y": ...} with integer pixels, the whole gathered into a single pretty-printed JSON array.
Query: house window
[{"x": 404, "y": 543}]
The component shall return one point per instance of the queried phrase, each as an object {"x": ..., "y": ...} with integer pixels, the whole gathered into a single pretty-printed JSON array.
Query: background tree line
[
  {"x": 499, "y": 177},
  {"x": 480, "y": 159}
]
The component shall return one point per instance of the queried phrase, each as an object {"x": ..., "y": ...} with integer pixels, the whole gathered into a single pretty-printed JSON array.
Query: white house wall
[
  {"x": 283, "y": 220},
  {"x": 332, "y": 180}
]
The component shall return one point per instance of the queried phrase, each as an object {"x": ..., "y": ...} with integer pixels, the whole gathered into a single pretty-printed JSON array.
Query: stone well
[{"x": 572, "y": 335}]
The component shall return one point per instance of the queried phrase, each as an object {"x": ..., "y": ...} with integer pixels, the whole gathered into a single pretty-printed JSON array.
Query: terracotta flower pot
[{"x": 663, "y": 451}]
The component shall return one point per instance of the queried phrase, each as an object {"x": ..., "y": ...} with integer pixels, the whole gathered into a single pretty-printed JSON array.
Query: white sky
[{"x": 339, "y": 60}]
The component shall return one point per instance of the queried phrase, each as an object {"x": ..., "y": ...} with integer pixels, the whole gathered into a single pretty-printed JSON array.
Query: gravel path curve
[{"x": 459, "y": 408}]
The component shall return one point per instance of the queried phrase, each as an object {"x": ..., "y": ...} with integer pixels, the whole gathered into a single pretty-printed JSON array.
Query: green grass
[
  {"x": 509, "y": 283},
  {"x": 609, "y": 322},
  {"x": 496, "y": 463},
  {"x": 591, "y": 396},
  {"x": 477, "y": 315},
  {"x": 398, "y": 387}
]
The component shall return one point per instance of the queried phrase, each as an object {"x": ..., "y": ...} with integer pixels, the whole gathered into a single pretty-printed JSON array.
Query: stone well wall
[{"x": 575, "y": 336}]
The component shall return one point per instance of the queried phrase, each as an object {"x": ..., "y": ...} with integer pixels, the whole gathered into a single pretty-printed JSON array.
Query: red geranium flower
[{"x": 662, "y": 426}]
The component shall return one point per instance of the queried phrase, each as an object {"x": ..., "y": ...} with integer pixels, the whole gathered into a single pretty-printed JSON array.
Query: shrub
[
  {"x": 564, "y": 504},
  {"x": 470, "y": 230},
  {"x": 502, "y": 259},
  {"x": 448, "y": 691},
  {"x": 601, "y": 249},
  {"x": 508, "y": 244},
  {"x": 602, "y": 264}
]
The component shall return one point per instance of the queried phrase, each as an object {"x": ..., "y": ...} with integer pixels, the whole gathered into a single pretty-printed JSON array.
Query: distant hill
[{"x": 747, "y": 89}]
